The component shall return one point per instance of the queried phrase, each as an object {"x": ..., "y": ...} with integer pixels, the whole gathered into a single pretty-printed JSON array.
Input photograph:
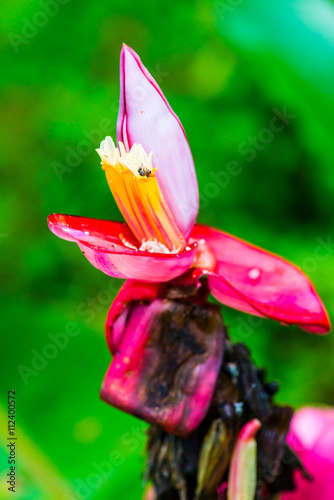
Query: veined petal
[
  {"x": 111, "y": 247},
  {"x": 145, "y": 117},
  {"x": 258, "y": 282}
]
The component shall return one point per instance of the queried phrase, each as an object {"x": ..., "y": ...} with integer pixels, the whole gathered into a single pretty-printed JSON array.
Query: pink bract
[
  {"x": 311, "y": 436},
  {"x": 145, "y": 117}
]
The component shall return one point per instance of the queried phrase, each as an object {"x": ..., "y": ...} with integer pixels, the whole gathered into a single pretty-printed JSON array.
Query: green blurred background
[{"x": 227, "y": 68}]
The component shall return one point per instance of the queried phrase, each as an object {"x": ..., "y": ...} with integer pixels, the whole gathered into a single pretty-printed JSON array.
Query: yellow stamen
[{"x": 132, "y": 181}]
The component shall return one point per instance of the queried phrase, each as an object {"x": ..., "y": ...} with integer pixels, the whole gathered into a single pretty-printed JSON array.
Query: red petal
[
  {"x": 130, "y": 291},
  {"x": 165, "y": 364},
  {"x": 102, "y": 242},
  {"x": 258, "y": 282}
]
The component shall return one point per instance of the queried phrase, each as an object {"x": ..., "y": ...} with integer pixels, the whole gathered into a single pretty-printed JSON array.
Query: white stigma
[
  {"x": 153, "y": 246},
  {"x": 135, "y": 160},
  {"x": 108, "y": 152}
]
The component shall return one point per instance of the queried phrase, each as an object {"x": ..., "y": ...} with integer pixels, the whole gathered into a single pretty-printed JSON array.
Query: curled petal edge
[
  {"x": 130, "y": 291},
  {"x": 111, "y": 247}
]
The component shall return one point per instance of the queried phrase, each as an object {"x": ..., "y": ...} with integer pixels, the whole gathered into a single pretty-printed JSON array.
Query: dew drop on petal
[{"x": 254, "y": 274}]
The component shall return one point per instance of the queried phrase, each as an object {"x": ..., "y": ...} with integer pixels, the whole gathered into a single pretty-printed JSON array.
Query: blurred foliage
[{"x": 225, "y": 67}]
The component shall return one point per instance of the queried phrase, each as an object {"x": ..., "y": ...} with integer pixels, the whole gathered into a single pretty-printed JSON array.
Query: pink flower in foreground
[
  {"x": 311, "y": 436},
  {"x": 152, "y": 177}
]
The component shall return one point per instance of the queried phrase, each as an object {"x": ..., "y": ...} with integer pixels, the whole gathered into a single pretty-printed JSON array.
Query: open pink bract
[{"x": 239, "y": 274}]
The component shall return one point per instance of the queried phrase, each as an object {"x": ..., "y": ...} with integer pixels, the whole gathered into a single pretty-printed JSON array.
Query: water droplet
[
  {"x": 254, "y": 273},
  {"x": 86, "y": 232}
]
